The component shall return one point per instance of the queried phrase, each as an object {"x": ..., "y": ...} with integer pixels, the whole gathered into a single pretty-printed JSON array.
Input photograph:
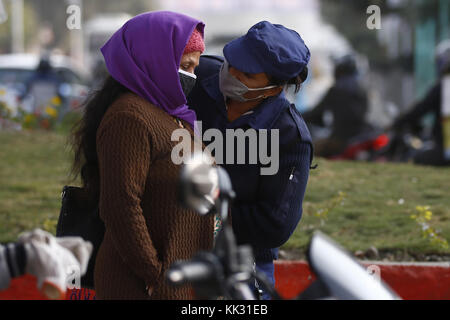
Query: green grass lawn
[
  {"x": 360, "y": 205},
  {"x": 371, "y": 204},
  {"x": 34, "y": 167}
]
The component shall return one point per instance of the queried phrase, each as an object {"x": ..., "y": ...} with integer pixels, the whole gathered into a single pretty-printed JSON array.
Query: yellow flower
[
  {"x": 428, "y": 215},
  {"x": 2, "y": 92},
  {"x": 56, "y": 101},
  {"x": 28, "y": 118},
  {"x": 51, "y": 112},
  {"x": 422, "y": 208}
]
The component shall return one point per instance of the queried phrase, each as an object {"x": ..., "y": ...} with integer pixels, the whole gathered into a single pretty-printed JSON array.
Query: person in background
[
  {"x": 42, "y": 86},
  {"x": 346, "y": 101},
  {"x": 123, "y": 151},
  {"x": 244, "y": 90},
  {"x": 47, "y": 258},
  {"x": 431, "y": 104}
]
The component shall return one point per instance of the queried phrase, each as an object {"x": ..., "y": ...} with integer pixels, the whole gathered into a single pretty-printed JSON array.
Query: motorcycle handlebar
[{"x": 189, "y": 271}]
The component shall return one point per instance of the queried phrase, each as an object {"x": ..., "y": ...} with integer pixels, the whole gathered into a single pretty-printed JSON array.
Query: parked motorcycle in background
[
  {"x": 405, "y": 145},
  {"x": 227, "y": 271}
]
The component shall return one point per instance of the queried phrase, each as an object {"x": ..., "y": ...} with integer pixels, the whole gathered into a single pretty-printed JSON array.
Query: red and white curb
[{"x": 411, "y": 281}]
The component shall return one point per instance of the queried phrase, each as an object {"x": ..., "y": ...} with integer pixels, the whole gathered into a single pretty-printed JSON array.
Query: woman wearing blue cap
[{"x": 245, "y": 91}]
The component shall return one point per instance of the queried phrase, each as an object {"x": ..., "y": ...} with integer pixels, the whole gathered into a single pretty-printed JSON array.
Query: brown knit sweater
[{"x": 146, "y": 228}]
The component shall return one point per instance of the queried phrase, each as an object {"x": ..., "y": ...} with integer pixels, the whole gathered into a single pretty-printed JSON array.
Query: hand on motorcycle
[{"x": 149, "y": 290}]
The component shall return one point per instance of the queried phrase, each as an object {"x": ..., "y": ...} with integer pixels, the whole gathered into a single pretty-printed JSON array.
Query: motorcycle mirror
[
  {"x": 344, "y": 277},
  {"x": 199, "y": 184}
]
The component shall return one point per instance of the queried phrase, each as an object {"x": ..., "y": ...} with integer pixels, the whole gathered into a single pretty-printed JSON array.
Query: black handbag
[{"x": 79, "y": 217}]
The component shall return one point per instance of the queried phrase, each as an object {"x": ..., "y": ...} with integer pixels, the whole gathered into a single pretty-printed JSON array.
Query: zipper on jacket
[{"x": 292, "y": 173}]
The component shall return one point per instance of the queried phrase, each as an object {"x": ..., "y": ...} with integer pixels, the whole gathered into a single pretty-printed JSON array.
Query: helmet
[
  {"x": 443, "y": 57},
  {"x": 345, "y": 66}
]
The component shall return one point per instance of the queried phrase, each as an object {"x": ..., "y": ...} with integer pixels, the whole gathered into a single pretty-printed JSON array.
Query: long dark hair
[{"x": 82, "y": 137}]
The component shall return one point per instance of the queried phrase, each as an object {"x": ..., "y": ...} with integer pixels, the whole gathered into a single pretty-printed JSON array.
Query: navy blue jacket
[{"x": 267, "y": 208}]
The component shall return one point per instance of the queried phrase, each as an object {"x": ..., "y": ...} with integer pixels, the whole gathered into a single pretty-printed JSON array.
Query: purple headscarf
[{"x": 145, "y": 54}]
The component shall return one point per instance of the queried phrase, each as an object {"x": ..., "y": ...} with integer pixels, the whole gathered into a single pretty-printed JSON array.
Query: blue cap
[{"x": 270, "y": 48}]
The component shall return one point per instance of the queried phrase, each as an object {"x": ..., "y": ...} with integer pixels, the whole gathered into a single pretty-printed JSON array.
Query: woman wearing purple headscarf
[{"x": 123, "y": 153}]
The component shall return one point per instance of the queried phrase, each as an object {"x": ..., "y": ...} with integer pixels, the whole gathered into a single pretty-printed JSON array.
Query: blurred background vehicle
[
  {"x": 17, "y": 71},
  {"x": 342, "y": 112}
]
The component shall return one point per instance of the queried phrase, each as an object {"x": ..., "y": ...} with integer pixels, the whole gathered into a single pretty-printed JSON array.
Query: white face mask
[{"x": 233, "y": 88}]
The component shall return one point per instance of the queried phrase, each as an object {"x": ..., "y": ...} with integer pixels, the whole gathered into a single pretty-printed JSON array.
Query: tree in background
[
  {"x": 30, "y": 21},
  {"x": 402, "y": 52},
  {"x": 52, "y": 14}
]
